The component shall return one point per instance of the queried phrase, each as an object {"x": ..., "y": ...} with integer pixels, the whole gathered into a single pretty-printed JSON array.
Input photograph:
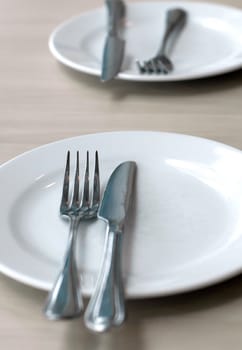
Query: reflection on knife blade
[{"x": 114, "y": 45}]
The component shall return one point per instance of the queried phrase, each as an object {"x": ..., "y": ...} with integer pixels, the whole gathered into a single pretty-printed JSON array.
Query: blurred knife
[
  {"x": 114, "y": 45},
  {"x": 106, "y": 307}
]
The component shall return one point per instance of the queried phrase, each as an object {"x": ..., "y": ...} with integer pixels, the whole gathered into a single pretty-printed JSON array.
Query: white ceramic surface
[
  {"x": 185, "y": 227},
  {"x": 210, "y": 44}
]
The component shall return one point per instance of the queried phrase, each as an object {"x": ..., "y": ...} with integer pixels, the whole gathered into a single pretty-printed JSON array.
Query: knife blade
[
  {"x": 113, "y": 51},
  {"x": 107, "y": 306}
]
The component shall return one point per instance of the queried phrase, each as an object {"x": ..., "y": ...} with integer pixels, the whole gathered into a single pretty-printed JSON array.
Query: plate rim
[
  {"x": 224, "y": 69},
  {"x": 36, "y": 283}
]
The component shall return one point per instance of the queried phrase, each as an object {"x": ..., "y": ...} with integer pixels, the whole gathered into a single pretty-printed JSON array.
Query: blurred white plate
[
  {"x": 210, "y": 44},
  {"x": 185, "y": 228}
]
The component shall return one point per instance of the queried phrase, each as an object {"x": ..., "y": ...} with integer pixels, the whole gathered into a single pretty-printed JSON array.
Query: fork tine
[
  {"x": 65, "y": 190},
  {"x": 76, "y": 196},
  {"x": 160, "y": 66},
  {"x": 154, "y": 65},
  {"x": 85, "y": 197},
  {"x": 149, "y": 67},
  {"x": 140, "y": 67},
  {"x": 96, "y": 182}
]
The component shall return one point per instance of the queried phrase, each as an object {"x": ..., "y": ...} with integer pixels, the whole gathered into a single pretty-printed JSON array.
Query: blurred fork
[
  {"x": 65, "y": 299},
  {"x": 161, "y": 63}
]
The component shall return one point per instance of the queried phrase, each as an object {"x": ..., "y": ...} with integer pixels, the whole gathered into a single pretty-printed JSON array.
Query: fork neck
[{"x": 175, "y": 22}]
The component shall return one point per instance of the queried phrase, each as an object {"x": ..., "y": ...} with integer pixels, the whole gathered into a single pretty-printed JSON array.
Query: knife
[
  {"x": 114, "y": 45},
  {"x": 107, "y": 306}
]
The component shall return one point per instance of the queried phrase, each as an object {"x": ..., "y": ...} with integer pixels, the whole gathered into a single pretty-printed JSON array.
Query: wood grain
[{"x": 42, "y": 101}]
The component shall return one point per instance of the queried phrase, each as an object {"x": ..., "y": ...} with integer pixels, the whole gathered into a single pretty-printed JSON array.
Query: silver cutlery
[
  {"x": 65, "y": 299},
  {"x": 161, "y": 63},
  {"x": 106, "y": 307},
  {"x": 114, "y": 45}
]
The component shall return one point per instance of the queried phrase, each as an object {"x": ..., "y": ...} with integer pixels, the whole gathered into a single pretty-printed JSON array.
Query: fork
[
  {"x": 161, "y": 63},
  {"x": 65, "y": 299}
]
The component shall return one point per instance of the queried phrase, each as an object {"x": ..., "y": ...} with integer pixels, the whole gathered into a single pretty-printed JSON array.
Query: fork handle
[
  {"x": 175, "y": 21},
  {"x": 64, "y": 299},
  {"x": 107, "y": 305}
]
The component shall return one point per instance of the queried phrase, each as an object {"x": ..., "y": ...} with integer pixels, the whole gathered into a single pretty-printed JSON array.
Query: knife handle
[
  {"x": 116, "y": 12},
  {"x": 107, "y": 304}
]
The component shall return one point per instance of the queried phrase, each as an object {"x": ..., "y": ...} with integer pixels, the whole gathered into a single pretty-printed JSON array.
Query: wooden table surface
[{"x": 41, "y": 101}]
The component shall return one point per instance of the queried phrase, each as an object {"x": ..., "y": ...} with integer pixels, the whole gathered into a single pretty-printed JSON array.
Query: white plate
[
  {"x": 185, "y": 231},
  {"x": 210, "y": 44}
]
